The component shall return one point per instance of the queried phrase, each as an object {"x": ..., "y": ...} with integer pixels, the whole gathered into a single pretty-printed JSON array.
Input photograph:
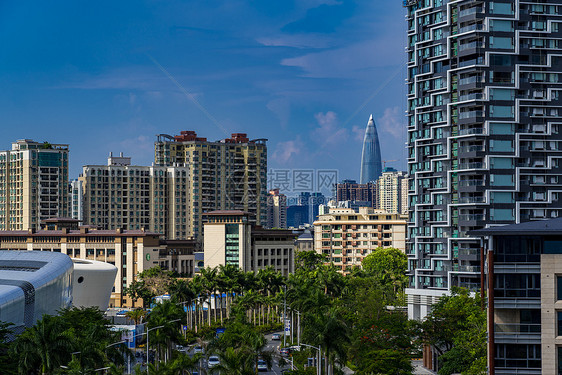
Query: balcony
[
  {"x": 475, "y": 165},
  {"x": 514, "y": 328},
  {"x": 470, "y": 115}
]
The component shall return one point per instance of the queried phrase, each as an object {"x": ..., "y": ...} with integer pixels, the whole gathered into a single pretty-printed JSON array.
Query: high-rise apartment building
[
  {"x": 33, "y": 184},
  {"x": 392, "y": 191},
  {"x": 346, "y": 236},
  {"x": 371, "y": 161},
  {"x": 122, "y": 196},
  {"x": 483, "y": 129},
  {"x": 350, "y": 190},
  {"x": 230, "y": 174},
  {"x": 276, "y": 209},
  {"x": 76, "y": 199}
]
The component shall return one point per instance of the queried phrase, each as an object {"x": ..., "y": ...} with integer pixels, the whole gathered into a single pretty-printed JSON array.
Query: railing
[
  {"x": 464, "y": 98},
  {"x": 471, "y": 183},
  {"x": 469, "y": 80},
  {"x": 471, "y": 45},
  {"x": 472, "y": 217},
  {"x": 470, "y": 114},
  {"x": 475, "y": 165},
  {"x": 469, "y": 11},
  {"x": 473, "y": 148},
  {"x": 517, "y": 328},
  {"x": 473, "y": 27}
]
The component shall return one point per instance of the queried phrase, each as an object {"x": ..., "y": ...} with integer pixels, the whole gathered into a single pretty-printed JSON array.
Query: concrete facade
[{"x": 347, "y": 236}]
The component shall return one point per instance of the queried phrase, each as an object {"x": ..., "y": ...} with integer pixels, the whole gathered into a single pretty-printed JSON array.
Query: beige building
[
  {"x": 276, "y": 209},
  {"x": 120, "y": 195},
  {"x": 346, "y": 236},
  {"x": 392, "y": 192},
  {"x": 131, "y": 251},
  {"x": 230, "y": 174},
  {"x": 33, "y": 184},
  {"x": 231, "y": 239}
]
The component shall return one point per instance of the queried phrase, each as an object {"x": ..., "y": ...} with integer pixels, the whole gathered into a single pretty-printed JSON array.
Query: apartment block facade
[
  {"x": 230, "y": 174},
  {"x": 276, "y": 209},
  {"x": 392, "y": 191},
  {"x": 347, "y": 236},
  {"x": 120, "y": 195},
  {"x": 483, "y": 131},
  {"x": 33, "y": 184},
  {"x": 230, "y": 238}
]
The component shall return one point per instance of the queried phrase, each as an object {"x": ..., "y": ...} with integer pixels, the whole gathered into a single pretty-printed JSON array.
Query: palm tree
[
  {"x": 183, "y": 363},
  {"x": 164, "y": 315},
  {"x": 234, "y": 362},
  {"x": 136, "y": 315},
  {"x": 209, "y": 283},
  {"x": 328, "y": 330},
  {"x": 43, "y": 347}
]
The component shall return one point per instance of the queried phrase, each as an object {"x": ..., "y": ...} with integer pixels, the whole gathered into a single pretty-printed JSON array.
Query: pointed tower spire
[{"x": 371, "y": 161}]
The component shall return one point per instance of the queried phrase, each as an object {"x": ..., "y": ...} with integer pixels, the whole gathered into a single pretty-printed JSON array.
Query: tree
[
  {"x": 136, "y": 315},
  {"x": 7, "y": 365},
  {"x": 456, "y": 328},
  {"x": 139, "y": 290},
  {"x": 165, "y": 315},
  {"x": 389, "y": 265},
  {"x": 43, "y": 347}
]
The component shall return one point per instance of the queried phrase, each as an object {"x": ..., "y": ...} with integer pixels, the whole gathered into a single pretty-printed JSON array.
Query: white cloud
[
  {"x": 354, "y": 61},
  {"x": 285, "y": 151},
  {"x": 358, "y": 133},
  {"x": 328, "y": 132},
  {"x": 301, "y": 41},
  {"x": 392, "y": 122}
]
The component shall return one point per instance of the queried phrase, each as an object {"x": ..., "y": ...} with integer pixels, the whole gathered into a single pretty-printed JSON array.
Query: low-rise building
[
  {"x": 523, "y": 277},
  {"x": 131, "y": 251},
  {"x": 230, "y": 239},
  {"x": 346, "y": 236}
]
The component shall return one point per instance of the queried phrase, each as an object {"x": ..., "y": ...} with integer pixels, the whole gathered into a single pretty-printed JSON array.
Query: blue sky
[{"x": 109, "y": 76}]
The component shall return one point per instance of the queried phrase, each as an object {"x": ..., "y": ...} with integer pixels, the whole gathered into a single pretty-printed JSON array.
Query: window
[
  {"x": 559, "y": 323},
  {"x": 559, "y": 288}
]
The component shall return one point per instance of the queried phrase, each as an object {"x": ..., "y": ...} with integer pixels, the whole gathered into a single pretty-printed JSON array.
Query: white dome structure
[{"x": 92, "y": 283}]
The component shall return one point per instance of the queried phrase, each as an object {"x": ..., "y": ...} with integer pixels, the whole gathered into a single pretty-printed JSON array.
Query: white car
[
  {"x": 198, "y": 349},
  {"x": 262, "y": 365},
  {"x": 213, "y": 361}
]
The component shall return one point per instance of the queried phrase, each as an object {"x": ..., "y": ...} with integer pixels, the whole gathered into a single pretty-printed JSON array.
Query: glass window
[{"x": 559, "y": 323}]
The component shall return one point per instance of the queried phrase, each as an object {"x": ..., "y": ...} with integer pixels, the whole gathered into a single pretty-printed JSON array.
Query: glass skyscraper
[{"x": 371, "y": 161}]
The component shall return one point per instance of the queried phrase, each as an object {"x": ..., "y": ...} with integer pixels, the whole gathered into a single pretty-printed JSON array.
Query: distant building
[
  {"x": 371, "y": 161},
  {"x": 350, "y": 190},
  {"x": 230, "y": 238},
  {"x": 230, "y": 174},
  {"x": 297, "y": 216},
  {"x": 76, "y": 199},
  {"x": 305, "y": 242},
  {"x": 120, "y": 195},
  {"x": 347, "y": 236},
  {"x": 276, "y": 209},
  {"x": 392, "y": 191},
  {"x": 33, "y": 184},
  {"x": 32, "y": 284}
]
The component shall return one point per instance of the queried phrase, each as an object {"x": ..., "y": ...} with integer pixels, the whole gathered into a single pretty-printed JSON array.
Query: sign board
[
  {"x": 287, "y": 327},
  {"x": 184, "y": 327}
]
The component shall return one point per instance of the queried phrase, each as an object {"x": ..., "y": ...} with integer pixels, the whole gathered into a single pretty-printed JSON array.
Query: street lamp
[
  {"x": 318, "y": 365},
  {"x": 147, "y": 347}
]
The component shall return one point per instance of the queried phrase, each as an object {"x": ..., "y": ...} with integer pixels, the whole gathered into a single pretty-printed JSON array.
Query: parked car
[
  {"x": 262, "y": 365},
  {"x": 213, "y": 361},
  {"x": 295, "y": 348},
  {"x": 198, "y": 349},
  {"x": 276, "y": 337}
]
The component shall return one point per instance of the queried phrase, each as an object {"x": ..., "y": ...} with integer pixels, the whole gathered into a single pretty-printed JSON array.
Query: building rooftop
[
  {"x": 532, "y": 227},
  {"x": 225, "y": 213},
  {"x": 95, "y": 232}
]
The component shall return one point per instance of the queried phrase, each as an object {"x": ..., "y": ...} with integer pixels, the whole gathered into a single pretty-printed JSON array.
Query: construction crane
[{"x": 386, "y": 161}]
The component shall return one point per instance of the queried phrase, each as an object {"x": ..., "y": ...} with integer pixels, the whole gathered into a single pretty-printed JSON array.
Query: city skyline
[{"x": 114, "y": 83}]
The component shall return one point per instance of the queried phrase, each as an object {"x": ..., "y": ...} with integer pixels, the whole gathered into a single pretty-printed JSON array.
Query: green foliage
[
  {"x": 389, "y": 265},
  {"x": 456, "y": 328}
]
